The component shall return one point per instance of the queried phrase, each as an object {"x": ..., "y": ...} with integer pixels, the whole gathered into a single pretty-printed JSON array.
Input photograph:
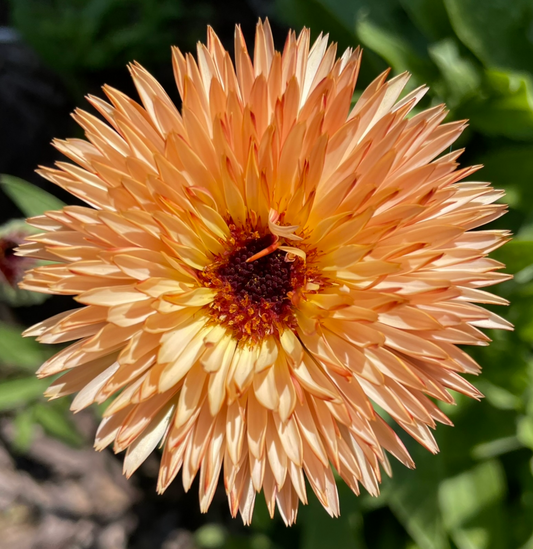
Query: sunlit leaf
[
  {"x": 395, "y": 49},
  {"x": 19, "y": 392},
  {"x": 18, "y": 351},
  {"x": 525, "y": 431},
  {"x": 30, "y": 199},
  {"x": 460, "y": 75},
  {"x": 496, "y": 448},
  {"x": 505, "y": 106},
  {"x": 468, "y": 502},
  {"x": 498, "y": 396}
]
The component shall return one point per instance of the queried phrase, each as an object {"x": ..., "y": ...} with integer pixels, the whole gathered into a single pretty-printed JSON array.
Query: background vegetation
[{"x": 478, "y": 59}]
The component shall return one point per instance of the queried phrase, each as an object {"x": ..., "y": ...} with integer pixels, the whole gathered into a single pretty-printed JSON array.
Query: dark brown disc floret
[
  {"x": 254, "y": 297},
  {"x": 267, "y": 279}
]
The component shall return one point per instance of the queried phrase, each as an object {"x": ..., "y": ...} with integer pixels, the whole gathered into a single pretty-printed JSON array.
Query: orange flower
[{"x": 259, "y": 269}]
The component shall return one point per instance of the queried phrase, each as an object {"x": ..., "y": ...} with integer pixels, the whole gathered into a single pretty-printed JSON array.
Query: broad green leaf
[
  {"x": 19, "y": 392},
  {"x": 79, "y": 36},
  {"x": 504, "y": 107},
  {"x": 497, "y": 31},
  {"x": 30, "y": 199},
  {"x": 460, "y": 75},
  {"x": 388, "y": 15},
  {"x": 343, "y": 20},
  {"x": 393, "y": 49},
  {"x": 468, "y": 502},
  {"x": 19, "y": 351}
]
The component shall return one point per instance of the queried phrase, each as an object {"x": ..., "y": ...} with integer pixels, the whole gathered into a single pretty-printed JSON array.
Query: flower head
[
  {"x": 260, "y": 268},
  {"x": 12, "y": 267}
]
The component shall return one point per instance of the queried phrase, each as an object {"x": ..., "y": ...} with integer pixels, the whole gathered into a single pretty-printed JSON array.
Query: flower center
[
  {"x": 11, "y": 266},
  {"x": 265, "y": 279},
  {"x": 254, "y": 298}
]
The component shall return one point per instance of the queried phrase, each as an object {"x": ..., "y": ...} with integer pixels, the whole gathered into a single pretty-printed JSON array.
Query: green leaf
[
  {"x": 19, "y": 392},
  {"x": 19, "y": 351},
  {"x": 497, "y": 31},
  {"x": 496, "y": 448},
  {"x": 24, "y": 427},
  {"x": 54, "y": 418},
  {"x": 394, "y": 48},
  {"x": 504, "y": 106},
  {"x": 76, "y": 37},
  {"x": 413, "y": 499},
  {"x": 469, "y": 502},
  {"x": 460, "y": 75},
  {"x": 525, "y": 431},
  {"x": 529, "y": 544},
  {"x": 344, "y": 21},
  {"x": 30, "y": 199},
  {"x": 498, "y": 396}
]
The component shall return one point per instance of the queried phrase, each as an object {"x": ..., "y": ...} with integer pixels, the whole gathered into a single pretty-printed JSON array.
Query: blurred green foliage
[
  {"x": 21, "y": 393},
  {"x": 80, "y": 37},
  {"x": 478, "y": 59}
]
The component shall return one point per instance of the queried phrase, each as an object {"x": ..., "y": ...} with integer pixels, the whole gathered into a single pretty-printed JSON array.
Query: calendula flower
[
  {"x": 260, "y": 269},
  {"x": 12, "y": 267}
]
